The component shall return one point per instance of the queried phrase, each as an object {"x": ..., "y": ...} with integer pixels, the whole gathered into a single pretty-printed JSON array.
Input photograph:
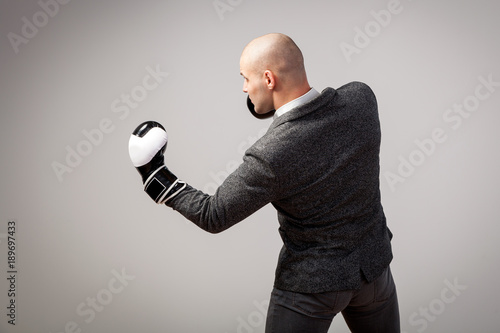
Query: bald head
[
  {"x": 273, "y": 68},
  {"x": 277, "y": 53}
]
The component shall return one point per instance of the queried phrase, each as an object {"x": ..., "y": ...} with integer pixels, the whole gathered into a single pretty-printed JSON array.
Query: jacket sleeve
[{"x": 250, "y": 187}]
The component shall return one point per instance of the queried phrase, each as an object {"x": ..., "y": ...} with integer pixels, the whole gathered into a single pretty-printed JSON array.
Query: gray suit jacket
[{"x": 318, "y": 165}]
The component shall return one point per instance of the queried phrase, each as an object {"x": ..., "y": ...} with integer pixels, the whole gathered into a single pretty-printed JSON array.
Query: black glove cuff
[
  {"x": 162, "y": 185},
  {"x": 251, "y": 108}
]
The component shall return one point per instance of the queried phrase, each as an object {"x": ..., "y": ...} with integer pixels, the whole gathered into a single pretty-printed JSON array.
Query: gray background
[{"x": 76, "y": 231}]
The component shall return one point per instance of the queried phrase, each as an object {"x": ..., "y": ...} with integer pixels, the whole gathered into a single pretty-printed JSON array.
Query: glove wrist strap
[{"x": 162, "y": 185}]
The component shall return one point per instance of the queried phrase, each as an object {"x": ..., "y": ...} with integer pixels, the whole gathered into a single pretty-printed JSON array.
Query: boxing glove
[
  {"x": 146, "y": 147},
  {"x": 251, "y": 108}
]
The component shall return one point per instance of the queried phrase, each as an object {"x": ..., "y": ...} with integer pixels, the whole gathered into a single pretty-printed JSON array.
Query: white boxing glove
[{"x": 146, "y": 147}]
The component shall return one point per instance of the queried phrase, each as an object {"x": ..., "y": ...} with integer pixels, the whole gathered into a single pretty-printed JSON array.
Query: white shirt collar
[{"x": 307, "y": 97}]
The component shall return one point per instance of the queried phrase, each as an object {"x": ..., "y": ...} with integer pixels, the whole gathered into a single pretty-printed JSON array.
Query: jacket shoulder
[
  {"x": 359, "y": 91},
  {"x": 356, "y": 86}
]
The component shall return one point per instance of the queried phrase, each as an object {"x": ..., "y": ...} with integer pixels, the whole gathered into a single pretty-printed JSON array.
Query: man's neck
[
  {"x": 282, "y": 99},
  {"x": 304, "y": 98}
]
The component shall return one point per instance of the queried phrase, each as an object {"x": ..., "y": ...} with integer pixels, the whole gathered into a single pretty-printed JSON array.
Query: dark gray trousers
[{"x": 371, "y": 309}]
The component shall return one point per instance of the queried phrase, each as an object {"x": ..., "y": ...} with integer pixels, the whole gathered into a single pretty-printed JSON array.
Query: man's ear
[{"x": 270, "y": 80}]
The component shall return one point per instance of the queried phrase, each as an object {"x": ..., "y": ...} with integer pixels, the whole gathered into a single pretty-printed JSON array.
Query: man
[{"x": 318, "y": 165}]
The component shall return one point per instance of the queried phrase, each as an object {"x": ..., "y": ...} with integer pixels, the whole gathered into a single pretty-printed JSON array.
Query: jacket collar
[
  {"x": 327, "y": 96},
  {"x": 307, "y": 97}
]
